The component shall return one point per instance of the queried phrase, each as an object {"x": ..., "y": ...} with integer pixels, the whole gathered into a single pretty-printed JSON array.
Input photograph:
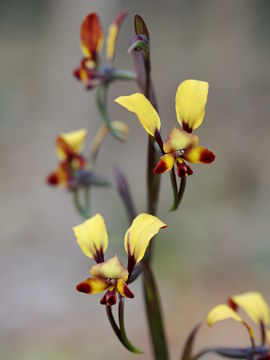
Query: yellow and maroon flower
[
  {"x": 111, "y": 275},
  {"x": 253, "y": 304},
  {"x": 181, "y": 144},
  {"x": 68, "y": 149},
  {"x": 90, "y": 73}
]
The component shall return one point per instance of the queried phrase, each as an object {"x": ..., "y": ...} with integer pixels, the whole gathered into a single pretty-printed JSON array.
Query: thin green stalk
[{"x": 81, "y": 210}]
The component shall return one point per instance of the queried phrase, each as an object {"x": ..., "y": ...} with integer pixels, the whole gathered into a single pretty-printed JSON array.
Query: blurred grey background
[{"x": 217, "y": 244}]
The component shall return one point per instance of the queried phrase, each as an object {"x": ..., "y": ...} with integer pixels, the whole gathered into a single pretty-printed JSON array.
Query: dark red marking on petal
[
  {"x": 207, "y": 156},
  {"x": 52, "y": 179},
  {"x": 189, "y": 170},
  {"x": 128, "y": 293},
  {"x": 84, "y": 287},
  {"x": 232, "y": 304},
  {"x": 160, "y": 168},
  {"x": 186, "y": 127},
  {"x": 103, "y": 300}
]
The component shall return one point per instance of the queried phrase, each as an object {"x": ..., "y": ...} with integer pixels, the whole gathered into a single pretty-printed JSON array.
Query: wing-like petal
[
  {"x": 199, "y": 155},
  {"x": 165, "y": 164},
  {"x": 92, "y": 237},
  {"x": 110, "y": 269},
  {"x": 93, "y": 286},
  {"x": 254, "y": 305},
  {"x": 139, "y": 105},
  {"x": 138, "y": 236},
  {"x": 190, "y": 101}
]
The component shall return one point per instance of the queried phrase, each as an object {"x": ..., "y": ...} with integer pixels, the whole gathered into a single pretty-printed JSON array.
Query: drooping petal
[
  {"x": 183, "y": 169},
  {"x": 91, "y": 36},
  {"x": 92, "y": 237},
  {"x": 190, "y": 101},
  {"x": 199, "y": 155},
  {"x": 70, "y": 143},
  {"x": 221, "y": 312},
  {"x": 165, "y": 164},
  {"x": 93, "y": 286},
  {"x": 110, "y": 269},
  {"x": 112, "y": 35},
  {"x": 123, "y": 289},
  {"x": 178, "y": 140},
  {"x": 254, "y": 305},
  {"x": 138, "y": 236},
  {"x": 139, "y": 105}
]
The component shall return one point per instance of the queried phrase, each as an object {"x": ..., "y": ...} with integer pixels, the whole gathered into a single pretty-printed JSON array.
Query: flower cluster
[
  {"x": 181, "y": 144},
  {"x": 111, "y": 275}
]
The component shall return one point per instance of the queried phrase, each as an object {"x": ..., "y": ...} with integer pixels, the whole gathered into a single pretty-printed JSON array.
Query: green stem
[
  {"x": 154, "y": 315},
  {"x": 82, "y": 211},
  {"x": 101, "y": 98},
  {"x": 119, "y": 74}
]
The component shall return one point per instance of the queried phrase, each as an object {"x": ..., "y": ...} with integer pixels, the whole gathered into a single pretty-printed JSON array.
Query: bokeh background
[{"x": 217, "y": 244}]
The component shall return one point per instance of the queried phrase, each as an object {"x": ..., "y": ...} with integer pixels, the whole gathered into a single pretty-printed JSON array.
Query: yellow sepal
[
  {"x": 111, "y": 40},
  {"x": 254, "y": 305},
  {"x": 221, "y": 312},
  {"x": 92, "y": 236},
  {"x": 110, "y": 269},
  {"x": 73, "y": 139},
  {"x": 139, "y": 105},
  {"x": 138, "y": 236},
  {"x": 190, "y": 101}
]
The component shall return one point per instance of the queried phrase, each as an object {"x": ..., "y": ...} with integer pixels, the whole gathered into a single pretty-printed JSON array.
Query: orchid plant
[{"x": 76, "y": 173}]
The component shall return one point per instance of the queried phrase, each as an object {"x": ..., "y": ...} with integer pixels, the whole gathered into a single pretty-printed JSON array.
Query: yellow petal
[
  {"x": 179, "y": 139},
  {"x": 221, "y": 312},
  {"x": 72, "y": 141},
  {"x": 111, "y": 40},
  {"x": 93, "y": 286},
  {"x": 190, "y": 101},
  {"x": 139, "y": 105},
  {"x": 112, "y": 35},
  {"x": 199, "y": 155},
  {"x": 165, "y": 164},
  {"x": 92, "y": 237},
  {"x": 110, "y": 269},
  {"x": 254, "y": 305},
  {"x": 138, "y": 236}
]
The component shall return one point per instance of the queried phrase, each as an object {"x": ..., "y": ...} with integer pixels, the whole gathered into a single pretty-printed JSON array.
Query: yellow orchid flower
[
  {"x": 181, "y": 145},
  {"x": 91, "y": 39},
  {"x": 111, "y": 275},
  {"x": 68, "y": 149},
  {"x": 252, "y": 303}
]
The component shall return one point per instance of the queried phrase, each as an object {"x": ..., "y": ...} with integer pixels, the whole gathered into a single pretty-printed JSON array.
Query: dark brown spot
[
  {"x": 84, "y": 287},
  {"x": 207, "y": 156},
  {"x": 103, "y": 300}
]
